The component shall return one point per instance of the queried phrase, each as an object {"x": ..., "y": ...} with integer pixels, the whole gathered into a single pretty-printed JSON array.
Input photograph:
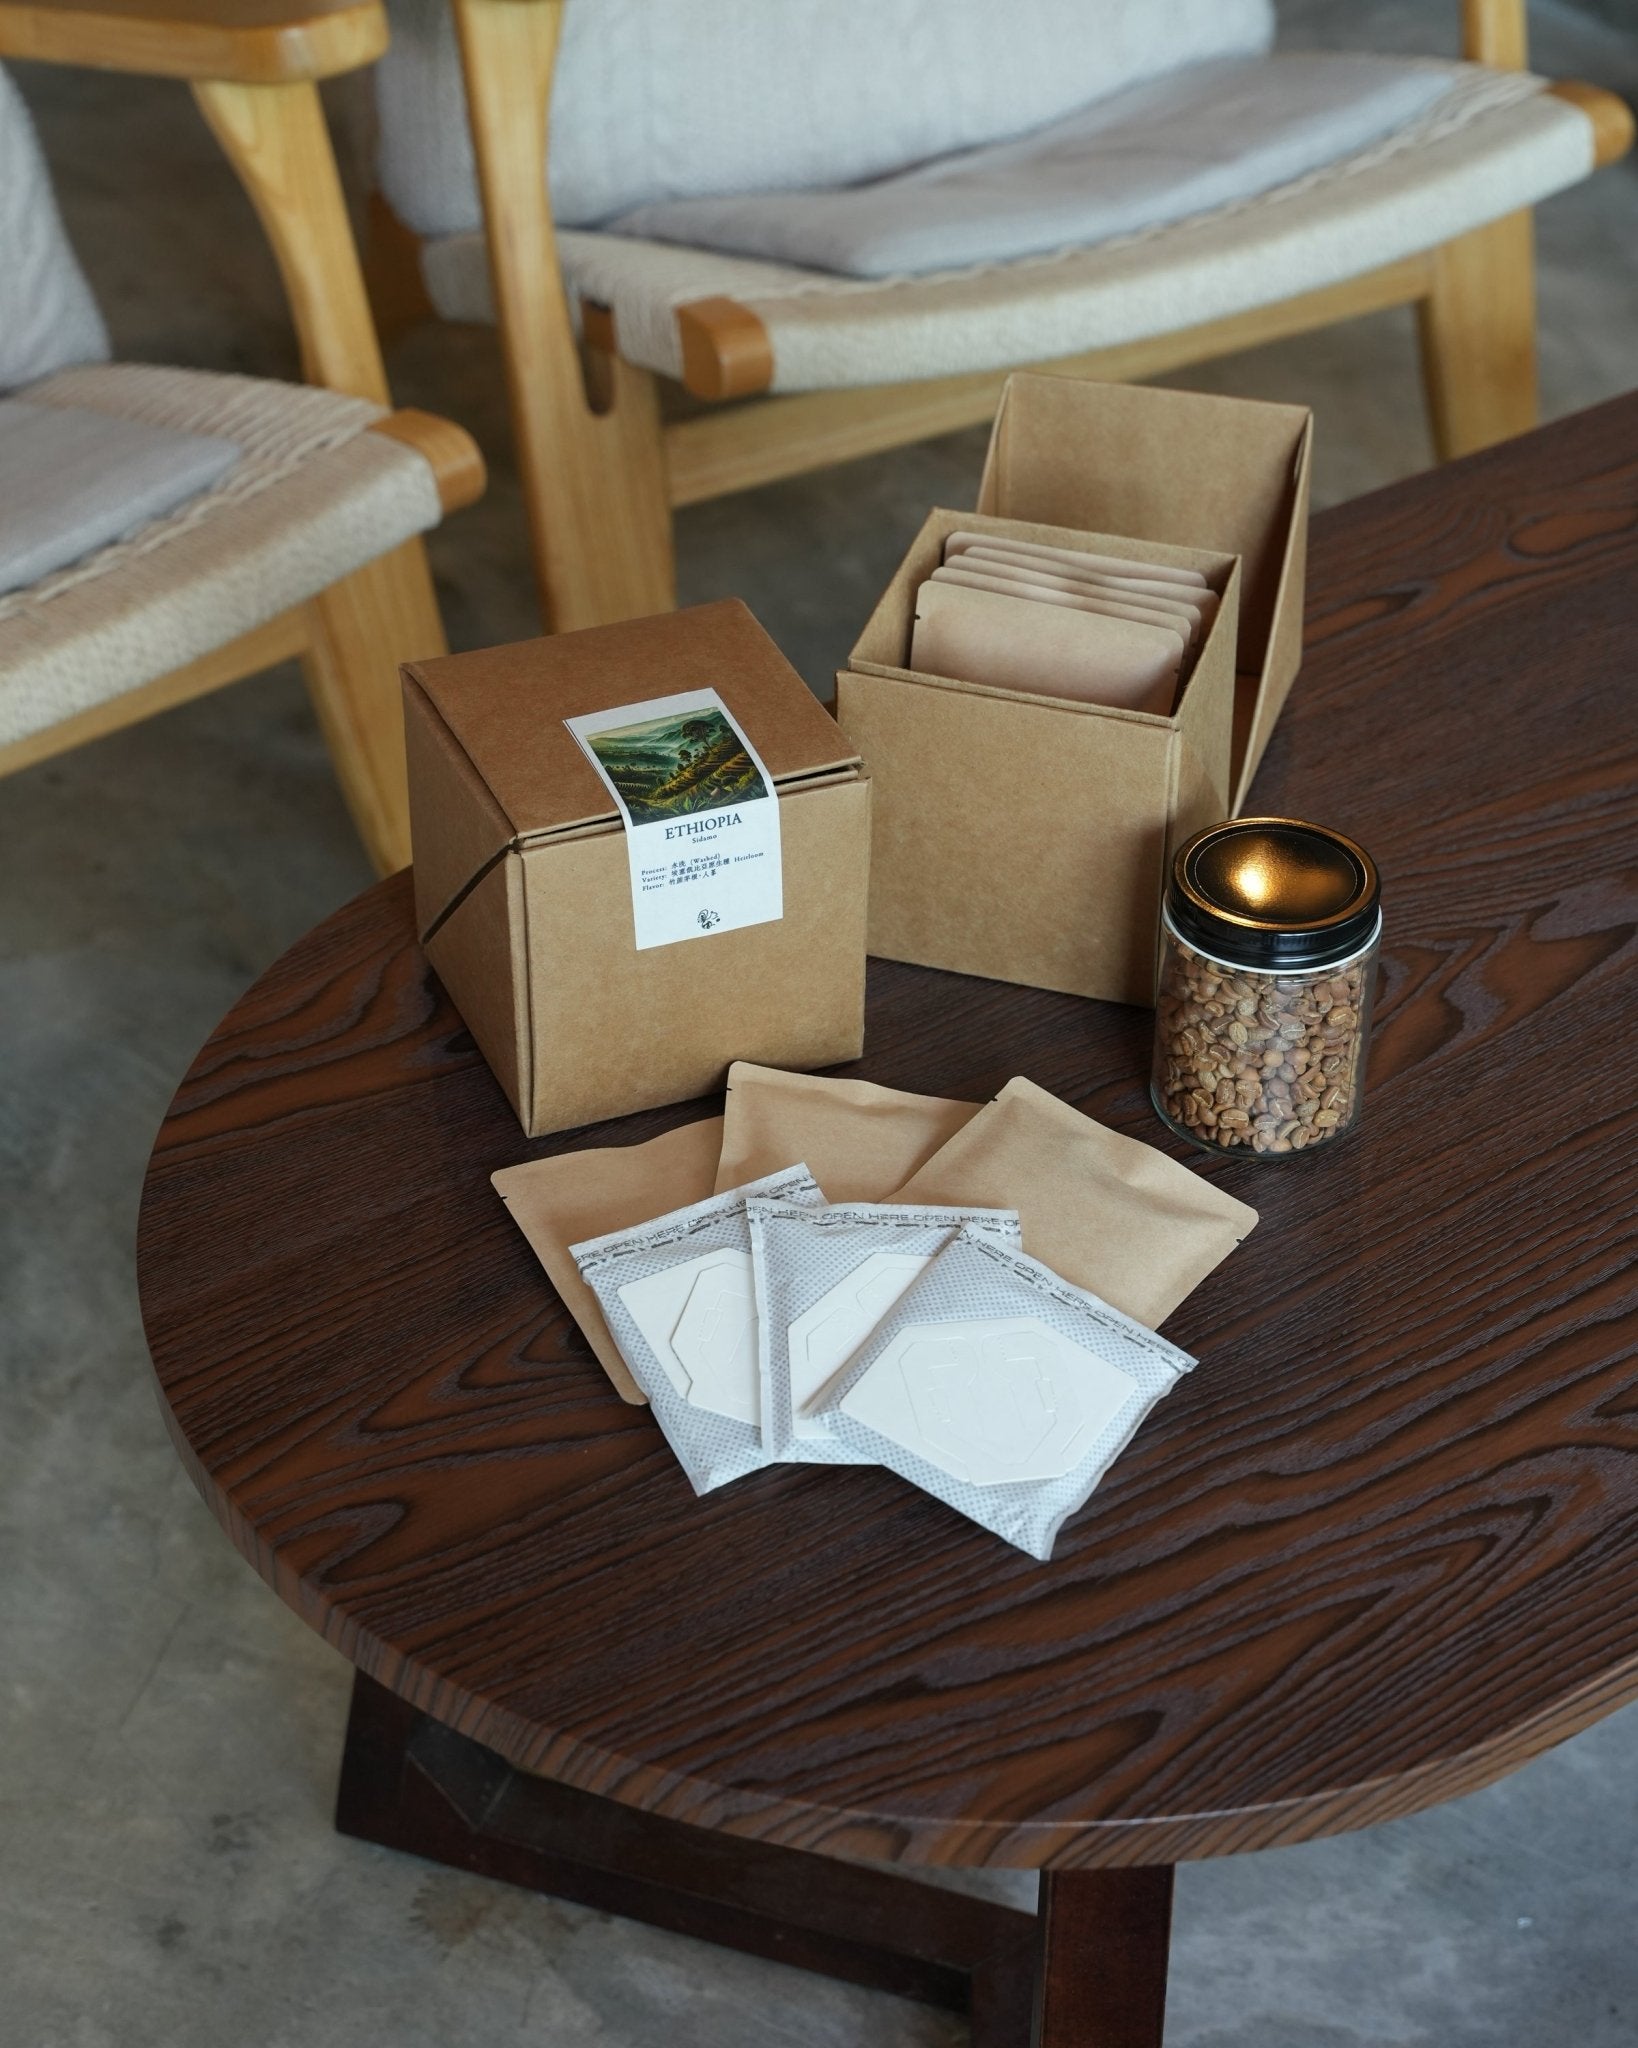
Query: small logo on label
[{"x": 707, "y": 918}]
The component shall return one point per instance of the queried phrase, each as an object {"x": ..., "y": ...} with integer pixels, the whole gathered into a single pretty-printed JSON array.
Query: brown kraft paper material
[
  {"x": 1112, "y": 1215},
  {"x": 575, "y": 1195},
  {"x": 523, "y": 880},
  {"x": 858, "y": 1141}
]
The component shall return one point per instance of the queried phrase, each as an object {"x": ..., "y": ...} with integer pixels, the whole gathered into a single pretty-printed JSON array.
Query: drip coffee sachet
[
  {"x": 680, "y": 1299},
  {"x": 824, "y": 1279},
  {"x": 1001, "y": 1389},
  {"x": 573, "y": 1196}
]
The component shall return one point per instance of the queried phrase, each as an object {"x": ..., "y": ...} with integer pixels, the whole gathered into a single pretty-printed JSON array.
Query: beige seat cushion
[
  {"x": 313, "y": 496},
  {"x": 1199, "y": 139},
  {"x": 72, "y": 480},
  {"x": 665, "y": 99},
  {"x": 1492, "y": 143},
  {"x": 48, "y": 317}
]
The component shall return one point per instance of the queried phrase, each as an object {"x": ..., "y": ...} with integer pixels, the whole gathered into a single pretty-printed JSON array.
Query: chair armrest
[
  {"x": 1493, "y": 32},
  {"x": 248, "y": 42},
  {"x": 1610, "y": 117},
  {"x": 449, "y": 452}
]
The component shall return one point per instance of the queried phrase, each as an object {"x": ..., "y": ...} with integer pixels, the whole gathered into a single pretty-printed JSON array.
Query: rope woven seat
[
  {"x": 1492, "y": 143},
  {"x": 166, "y": 532},
  {"x": 313, "y": 496}
]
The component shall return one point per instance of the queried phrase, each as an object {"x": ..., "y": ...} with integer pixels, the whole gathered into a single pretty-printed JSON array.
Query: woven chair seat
[
  {"x": 1490, "y": 144},
  {"x": 313, "y": 496}
]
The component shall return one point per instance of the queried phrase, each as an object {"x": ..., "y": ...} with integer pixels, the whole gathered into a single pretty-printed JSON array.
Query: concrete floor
[{"x": 168, "y": 1731}]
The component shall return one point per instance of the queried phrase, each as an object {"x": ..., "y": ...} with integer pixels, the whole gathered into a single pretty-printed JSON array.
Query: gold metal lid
[{"x": 1274, "y": 893}]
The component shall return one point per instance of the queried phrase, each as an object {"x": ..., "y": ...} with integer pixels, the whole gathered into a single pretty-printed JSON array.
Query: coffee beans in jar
[{"x": 1269, "y": 938}]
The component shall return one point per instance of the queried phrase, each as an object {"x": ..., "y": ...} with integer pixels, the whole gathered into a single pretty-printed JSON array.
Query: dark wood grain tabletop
[{"x": 1380, "y": 1547}]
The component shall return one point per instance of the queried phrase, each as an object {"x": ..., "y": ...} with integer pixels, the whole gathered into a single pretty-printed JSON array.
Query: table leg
[
  {"x": 1102, "y": 1942},
  {"x": 1088, "y": 1972},
  {"x": 410, "y": 1783}
]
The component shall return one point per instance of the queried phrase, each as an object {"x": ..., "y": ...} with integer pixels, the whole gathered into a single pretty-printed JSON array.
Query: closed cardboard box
[
  {"x": 1025, "y": 838},
  {"x": 524, "y": 897}
]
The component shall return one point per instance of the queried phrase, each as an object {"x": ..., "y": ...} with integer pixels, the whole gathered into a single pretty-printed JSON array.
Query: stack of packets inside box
[
  {"x": 1067, "y": 622},
  {"x": 841, "y": 1274}
]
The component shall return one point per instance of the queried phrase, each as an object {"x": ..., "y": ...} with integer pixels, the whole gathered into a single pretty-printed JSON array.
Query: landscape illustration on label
[
  {"x": 701, "y": 815},
  {"x": 673, "y": 767}
]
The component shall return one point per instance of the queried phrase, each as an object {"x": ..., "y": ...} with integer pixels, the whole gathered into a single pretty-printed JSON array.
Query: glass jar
[{"x": 1268, "y": 944}]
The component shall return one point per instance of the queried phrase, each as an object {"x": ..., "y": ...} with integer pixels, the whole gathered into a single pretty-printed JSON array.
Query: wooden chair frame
[
  {"x": 602, "y": 471},
  {"x": 254, "y": 75}
]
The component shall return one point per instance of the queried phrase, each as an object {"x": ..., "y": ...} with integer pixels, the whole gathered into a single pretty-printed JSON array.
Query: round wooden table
[{"x": 1379, "y": 1549}]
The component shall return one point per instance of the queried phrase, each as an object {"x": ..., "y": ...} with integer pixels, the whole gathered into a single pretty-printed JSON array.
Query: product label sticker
[{"x": 700, "y": 812}]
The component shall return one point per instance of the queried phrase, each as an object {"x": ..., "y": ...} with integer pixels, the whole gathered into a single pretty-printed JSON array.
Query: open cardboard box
[
  {"x": 1019, "y": 836},
  {"x": 523, "y": 893},
  {"x": 1025, "y": 838}
]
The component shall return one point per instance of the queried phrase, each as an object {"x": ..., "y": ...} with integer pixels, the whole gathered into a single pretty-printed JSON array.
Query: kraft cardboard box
[
  {"x": 526, "y": 904},
  {"x": 1026, "y": 839},
  {"x": 1019, "y": 836}
]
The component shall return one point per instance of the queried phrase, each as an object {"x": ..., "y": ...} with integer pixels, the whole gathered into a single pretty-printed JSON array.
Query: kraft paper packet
[
  {"x": 1077, "y": 558},
  {"x": 993, "y": 638},
  {"x": 1033, "y": 588},
  {"x": 1116, "y": 1217},
  {"x": 578, "y": 1195},
  {"x": 859, "y": 1140},
  {"x": 1194, "y": 608}
]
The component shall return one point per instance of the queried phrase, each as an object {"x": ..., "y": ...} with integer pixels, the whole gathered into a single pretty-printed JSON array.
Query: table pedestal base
[{"x": 1088, "y": 1972}]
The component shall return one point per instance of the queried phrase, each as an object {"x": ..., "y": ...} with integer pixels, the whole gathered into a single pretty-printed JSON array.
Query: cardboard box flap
[
  {"x": 1181, "y": 466},
  {"x": 1283, "y": 657},
  {"x": 506, "y": 705},
  {"x": 496, "y": 716}
]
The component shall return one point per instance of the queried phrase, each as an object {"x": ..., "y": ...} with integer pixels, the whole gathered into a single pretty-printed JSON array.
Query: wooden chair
[
  {"x": 229, "y": 585},
  {"x": 602, "y": 470}
]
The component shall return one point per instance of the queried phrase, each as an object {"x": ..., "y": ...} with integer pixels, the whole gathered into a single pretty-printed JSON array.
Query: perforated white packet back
[
  {"x": 1001, "y": 1389},
  {"x": 824, "y": 1280},
  {"x": 679, "y": 1297}
]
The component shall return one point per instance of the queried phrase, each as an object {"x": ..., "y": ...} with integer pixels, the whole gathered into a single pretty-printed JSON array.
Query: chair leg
[
  {"x": 399, "y": 299},
  {"x": 362, "y": 628},
  {"x": 1478, "y": 335},
  {"x": 619, "y": 560},
  {"x": 591, "y": 452}
]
